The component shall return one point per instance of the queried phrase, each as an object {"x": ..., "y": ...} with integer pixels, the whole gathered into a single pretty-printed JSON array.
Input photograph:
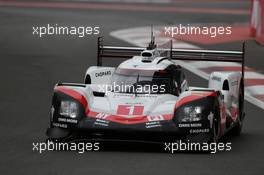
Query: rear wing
[
  {"x": 115, "y": 52},
  {"x": 211, "y": 55},
  {"x": 174, "y": 54}
]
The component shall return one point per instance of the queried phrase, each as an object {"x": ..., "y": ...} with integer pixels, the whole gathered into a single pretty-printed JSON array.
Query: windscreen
[{"x": 141, "y": 81}]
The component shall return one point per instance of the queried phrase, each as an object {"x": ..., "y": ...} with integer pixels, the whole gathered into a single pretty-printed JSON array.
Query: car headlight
[
  {"x": 192, "y": 113},
  {"x": 69, "y": 109}
]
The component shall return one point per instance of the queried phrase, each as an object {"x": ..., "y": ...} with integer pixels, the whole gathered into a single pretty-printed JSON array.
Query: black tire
[
  {"x": 56, "y": 134},
  {"x": 63, "y": 139},
  {"x": 236, "y": 131},
  {"x": 215, "y": 131}
]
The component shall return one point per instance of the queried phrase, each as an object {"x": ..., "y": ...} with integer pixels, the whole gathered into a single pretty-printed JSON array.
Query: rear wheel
[{"x": 239, "y": 123}]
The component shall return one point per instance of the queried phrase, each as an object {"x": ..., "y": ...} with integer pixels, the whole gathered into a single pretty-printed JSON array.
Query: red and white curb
[
  {"x": 254, "y": 81},
  {"x": 257, "y": 20}
]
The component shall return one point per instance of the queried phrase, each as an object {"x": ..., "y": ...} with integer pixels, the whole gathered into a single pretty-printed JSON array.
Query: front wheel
[
  {"x": 215, "y": 130},
  {"x": 58, "y": 134}
]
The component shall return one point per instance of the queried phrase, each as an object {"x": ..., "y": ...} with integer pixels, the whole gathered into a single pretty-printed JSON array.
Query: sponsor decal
[
  {"x": 216, "y": 78},
  {"x": 60, "y": 125},
  {"x": 190, "y": 125},
  {"x": 199, "y": 130},
  {"x": 101, "y": 122},
  {"x": 105, "y": 73},
  {"x": 155, "y": 118},
  {"x": 67, "y": 120},
  {"x": 116, "y": 95},
  {"x": 234, "y": 83},
  {"x": 153, "y": 124},
  {"x": 101, "y": 116}
]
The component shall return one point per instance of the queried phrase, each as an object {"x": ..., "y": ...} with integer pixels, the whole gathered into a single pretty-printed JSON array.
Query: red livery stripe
[
  {"x": 74, "y": 94},
  {"x": 193, "y": 97},
  {"x": 135, "y": 120}
]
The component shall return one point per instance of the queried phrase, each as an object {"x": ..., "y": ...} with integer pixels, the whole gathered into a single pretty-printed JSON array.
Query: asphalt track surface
[{"x": 30, "y": 66}]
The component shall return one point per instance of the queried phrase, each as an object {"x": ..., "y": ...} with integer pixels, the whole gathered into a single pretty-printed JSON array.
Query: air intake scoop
[{"x": 149, "y": 55}]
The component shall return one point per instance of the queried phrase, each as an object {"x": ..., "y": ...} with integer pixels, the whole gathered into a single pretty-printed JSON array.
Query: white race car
[{"x": 148, "y": 98}]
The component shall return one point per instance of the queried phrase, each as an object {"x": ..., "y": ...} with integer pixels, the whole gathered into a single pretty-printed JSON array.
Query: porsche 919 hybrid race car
[{"x": 148, "y": 98}]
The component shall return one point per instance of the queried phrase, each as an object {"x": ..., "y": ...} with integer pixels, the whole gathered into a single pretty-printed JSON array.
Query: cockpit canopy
[{"x": 141, "y": 81}]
